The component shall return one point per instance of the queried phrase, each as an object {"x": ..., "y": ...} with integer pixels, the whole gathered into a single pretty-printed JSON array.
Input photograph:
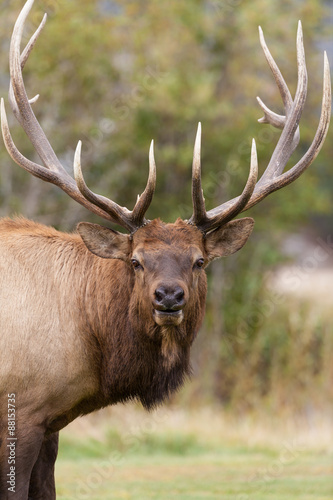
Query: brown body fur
[{"x": 77, "y": 333}]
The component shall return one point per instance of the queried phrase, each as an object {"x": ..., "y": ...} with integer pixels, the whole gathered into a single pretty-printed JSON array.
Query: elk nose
[{"x": 169, "y": 298}]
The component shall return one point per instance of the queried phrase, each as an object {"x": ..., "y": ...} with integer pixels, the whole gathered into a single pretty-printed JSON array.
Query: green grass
[{"x": 180, "y": 466}]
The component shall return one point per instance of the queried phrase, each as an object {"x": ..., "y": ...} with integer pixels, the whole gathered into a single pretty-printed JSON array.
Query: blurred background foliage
[{"x": 117, "y": 74}]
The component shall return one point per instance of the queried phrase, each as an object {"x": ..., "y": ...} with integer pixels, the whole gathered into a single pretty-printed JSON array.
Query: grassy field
[{"x": 203, "y": 455}]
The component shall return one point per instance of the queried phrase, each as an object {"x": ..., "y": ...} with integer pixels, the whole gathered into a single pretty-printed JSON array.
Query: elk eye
[
  {"x": 136, "y": 264},
  {"x": 199, "y": 263}
]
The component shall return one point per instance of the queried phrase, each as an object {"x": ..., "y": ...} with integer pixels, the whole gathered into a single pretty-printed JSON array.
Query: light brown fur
[{"x": 67, "y": 326}]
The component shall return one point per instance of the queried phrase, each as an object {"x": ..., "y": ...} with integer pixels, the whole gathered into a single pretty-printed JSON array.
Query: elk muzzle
[{"x": 168, "y": 303}]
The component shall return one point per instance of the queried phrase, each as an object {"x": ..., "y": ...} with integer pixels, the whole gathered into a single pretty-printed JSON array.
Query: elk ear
[
  {"x": 229, "y": 238},
  {"x": 104, "y": 242}
]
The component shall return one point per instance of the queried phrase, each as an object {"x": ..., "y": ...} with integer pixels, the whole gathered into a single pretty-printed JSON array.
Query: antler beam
[
  {"x": 52, "y": 170},
  {"x": 273, "y": 178}
]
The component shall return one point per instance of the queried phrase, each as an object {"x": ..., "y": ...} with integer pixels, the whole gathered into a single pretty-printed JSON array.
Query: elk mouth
[{"x": 168, "y": 317}]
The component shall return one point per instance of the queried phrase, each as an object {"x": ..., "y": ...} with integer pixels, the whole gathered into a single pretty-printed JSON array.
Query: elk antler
[
  {"x": 273, "y": 177},
  {"x": 53, "y": 171}
]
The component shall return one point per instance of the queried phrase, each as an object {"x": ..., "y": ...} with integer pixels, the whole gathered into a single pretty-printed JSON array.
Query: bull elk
[{"x": 99, "y": 317}]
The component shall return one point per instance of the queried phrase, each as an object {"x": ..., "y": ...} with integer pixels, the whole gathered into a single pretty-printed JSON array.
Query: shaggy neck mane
[{"x": 138, "y": 358}]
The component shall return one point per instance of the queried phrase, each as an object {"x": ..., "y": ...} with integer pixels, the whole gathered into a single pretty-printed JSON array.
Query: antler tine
[
  {"x": 33, "y": 168},
  {"x": 24, "y": 57},
  {"x": 238, "y": 205},
  {"x": 209, "y": 221},
  {"x": 316, "y": 145},
  {"x": 145, "y": 199},
  {"x": 42, "y": 172},
  {"x": 270, "y": 117},
  {"x": 289, "y": 139},
  {"x": 116, "y": 212},
  {"x": 53, "y": 171},
  {"x": 131, "y": 220},
  {"x": 282, "y": 86},
  {"x": 273, "y": 177},
  {"x": 215, "y": 217},
  {"x": 30, "y": 45},
  {"x": 27, "y": 116},
  {"x": 199, "y": 211},
  {"x": 278, "y": 121}
]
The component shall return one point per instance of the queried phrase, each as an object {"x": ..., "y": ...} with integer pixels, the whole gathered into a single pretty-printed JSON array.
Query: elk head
[{"x": 168, "y": 259}]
